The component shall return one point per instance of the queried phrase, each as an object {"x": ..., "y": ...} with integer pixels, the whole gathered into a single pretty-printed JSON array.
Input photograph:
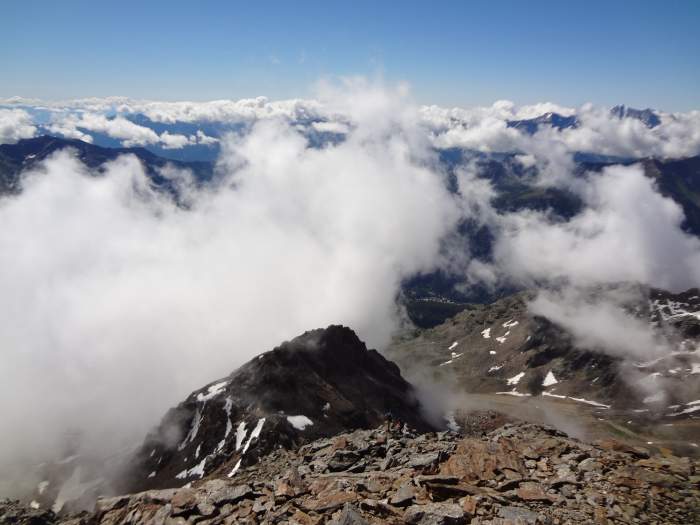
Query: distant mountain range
[
  {"x": 25, "y": 154},
  {"x": 530, "y": 126}
]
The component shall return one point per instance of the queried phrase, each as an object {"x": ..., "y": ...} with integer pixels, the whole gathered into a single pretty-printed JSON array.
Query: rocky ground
[{"x": 518, "y": 473}]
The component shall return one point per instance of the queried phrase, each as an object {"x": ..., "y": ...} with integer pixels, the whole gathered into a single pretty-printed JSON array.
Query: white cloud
[
  {"x": 598, "y": 321},
  {"x": 204, "y": 139},
  {"x": 175, "y": 141},
  {"x": 628, "y": 232},
  {"x": 15, "y": 124},
  {"x": 330, "y": 127},
  {"x": 127, "y": 132},
  {"x": 479, "y": 128}
]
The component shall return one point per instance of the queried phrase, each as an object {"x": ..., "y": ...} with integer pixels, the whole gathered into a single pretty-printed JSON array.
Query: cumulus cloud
[
  {"x": 122, "y": 302},
  {"x": 74, "y": 125},
  {"x": 79, "y": 126},
  {"x": 597, "y": 130},
  {"x": 627, "y": 232},
  {"x": 15, "y": 124},
  {"x": 330, "y": 127}
]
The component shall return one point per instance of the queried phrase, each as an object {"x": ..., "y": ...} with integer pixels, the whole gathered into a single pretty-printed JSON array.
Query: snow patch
[
  {"x": 453, "y": 345},
  {"x": 513, "y": 392},
  {"x": 197, "y": 470},
  {"x": 228, "y": 405},
  {"x": 510, "y": 324},
  {"x": 486, "y": 334},
  {"x": 588, "y": 402},
  {"x": 240, "y": 435},
  {"x": 549, "y": 394},
  {"x": 516, "y": 379},
  {"x": 503, "y": 338},
  {"x": 254, "y": 434},
  {"x": 299, "y": 422},
  {"x": 549, "y": 380},
  {"x": 196, "y": 422},
  {"x": 213, "y": 391},
  {"x": 235, "y": 469}
]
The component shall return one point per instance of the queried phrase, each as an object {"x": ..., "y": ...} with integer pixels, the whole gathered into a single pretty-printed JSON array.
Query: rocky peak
[
  {"x": 321, "y": 383},
  {"x": 647, "y": 116}
]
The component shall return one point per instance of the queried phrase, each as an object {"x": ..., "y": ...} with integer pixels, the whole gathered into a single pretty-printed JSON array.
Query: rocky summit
[
  {"x": 516, "y": 474},
  {"x": 321, "y": 383}
]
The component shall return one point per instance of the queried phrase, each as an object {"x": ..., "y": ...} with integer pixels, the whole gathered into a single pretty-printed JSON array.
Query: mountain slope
[
  {"x": 14, "y": 158},
  {"x": 502, "y": 349}
]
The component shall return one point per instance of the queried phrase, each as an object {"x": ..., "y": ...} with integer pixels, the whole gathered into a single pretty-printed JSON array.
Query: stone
[
  {"x": 330, "y": 502},
  {"x": 590, "y": 465},
  {"x": 184, "y": 501},
  {"x": 226, "y": 493},
  {"x": 423, "y": 461},
  {"x": 531, "y": 491},
  {"x": 474, "y": 459},
  {"x": 404, "y": 496},
  {"x": 349, "y": 516},
  {"x": 342, "y": 460},
  {"x": 435, "y": 514},
  {"x": 518, "y": 515}
]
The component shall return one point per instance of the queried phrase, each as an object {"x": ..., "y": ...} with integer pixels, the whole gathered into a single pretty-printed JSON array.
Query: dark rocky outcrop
[{"x": 321, "y": 383}]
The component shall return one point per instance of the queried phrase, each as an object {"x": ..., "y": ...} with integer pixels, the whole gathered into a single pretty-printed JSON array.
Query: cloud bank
[{"x": 597, "y": 130}]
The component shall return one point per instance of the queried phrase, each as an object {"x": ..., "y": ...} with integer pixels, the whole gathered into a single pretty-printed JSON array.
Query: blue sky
[{"x": 451, "y": 53}]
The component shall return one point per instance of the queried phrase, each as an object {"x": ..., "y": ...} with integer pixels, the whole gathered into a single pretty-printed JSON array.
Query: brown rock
[
  {"x": 531, "y": 491},
  {"x": 330, "y": 502},
  {"x": 184, "y": 501},
  {"x": 435, "y": 514},
  {"x": 404, "y": 496},
  {"x": 475, "y": 460},
  {"x": 302, "y": 518}
]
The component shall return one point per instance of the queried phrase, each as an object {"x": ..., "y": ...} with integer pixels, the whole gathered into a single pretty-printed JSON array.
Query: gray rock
[
  {"x": 435, "y": 514},
  {"x": 342, "y": 460},
  {"x": 222, "y": 492},
  {"x": 590, "y": 465},
  {"x": 518, "y": 515},
  {"x": 423, "y": 460},
  {"x": 404, "y": 496},
  {"x": 349, "y": 516}
]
